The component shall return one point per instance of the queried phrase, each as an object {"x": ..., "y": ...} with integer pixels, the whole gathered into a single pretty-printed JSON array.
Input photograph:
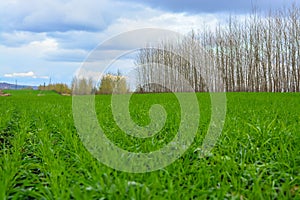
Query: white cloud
[
  {"x": 25, "y": 74},
  {"x": 19, "y": 38}
]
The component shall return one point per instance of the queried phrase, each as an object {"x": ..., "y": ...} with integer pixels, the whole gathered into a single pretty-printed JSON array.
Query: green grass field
[{"x": 256, "y": 157}]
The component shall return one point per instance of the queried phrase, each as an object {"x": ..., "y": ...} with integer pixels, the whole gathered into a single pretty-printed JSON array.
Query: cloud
[
  {"x": 32, "y": 57},
  {"x": 53, "y": 37},
  {"x": 55, "y": 15},
  {"x": 59, "y": 53},
  {"x": 214, "y": 6},
  {"x": 61, "y": 16},
  {"x": 63, "y": 55},
  {"x": 77, "y": 39},
  {"x": 25, "y": 74},
  {"x": 19, "y": 38}
]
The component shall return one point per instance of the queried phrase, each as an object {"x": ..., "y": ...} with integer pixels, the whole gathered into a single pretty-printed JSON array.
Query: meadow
[{"x": 256, "y": 157}]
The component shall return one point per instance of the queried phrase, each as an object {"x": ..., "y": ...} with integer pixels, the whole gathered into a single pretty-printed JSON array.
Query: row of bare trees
[{"x": 260, "y": 53}]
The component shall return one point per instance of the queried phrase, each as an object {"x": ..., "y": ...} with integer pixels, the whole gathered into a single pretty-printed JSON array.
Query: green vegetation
[
  {"x": 257, "y": 156},
  {"x": 31, "y": 93},
  {"x": 60, "y": 88}
]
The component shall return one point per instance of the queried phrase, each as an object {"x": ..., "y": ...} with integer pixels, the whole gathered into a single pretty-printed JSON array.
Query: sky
[{"x": 49, "y": 40}]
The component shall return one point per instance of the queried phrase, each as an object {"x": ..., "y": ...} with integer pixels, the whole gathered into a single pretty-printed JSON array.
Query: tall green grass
[{"x": 257, "y": 156}]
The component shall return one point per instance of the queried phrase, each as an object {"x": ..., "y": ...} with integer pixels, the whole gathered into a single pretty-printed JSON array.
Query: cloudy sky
[{"x": 43, "y": 39}]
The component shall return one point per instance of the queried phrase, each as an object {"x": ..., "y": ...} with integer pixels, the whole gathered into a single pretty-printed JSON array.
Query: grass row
[{"x": 257, "y": 156}]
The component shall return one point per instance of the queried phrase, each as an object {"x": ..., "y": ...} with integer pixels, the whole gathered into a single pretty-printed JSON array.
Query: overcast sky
[{"x": 40, "y": 39}]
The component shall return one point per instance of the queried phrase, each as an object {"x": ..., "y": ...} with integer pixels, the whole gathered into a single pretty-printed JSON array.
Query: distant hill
[{"x": 8, "y": 86}]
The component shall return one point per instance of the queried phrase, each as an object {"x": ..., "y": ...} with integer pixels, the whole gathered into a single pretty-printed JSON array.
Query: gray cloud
[
  {"x": 76, "y": 39},
  {"x": 214, "y": 6},
  {"x": 55, "y": 15},
  {"x": 66, "y": 56}
]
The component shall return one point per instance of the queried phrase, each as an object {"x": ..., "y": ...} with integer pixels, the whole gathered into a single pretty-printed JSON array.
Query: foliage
[
  {"x": 60, "y": 88},
  {"x": 27, "y": 88},
  {"x": 109, "y": 83},
  {"x": 113, "y": 83},
  {"x": 82, "y": 86}
]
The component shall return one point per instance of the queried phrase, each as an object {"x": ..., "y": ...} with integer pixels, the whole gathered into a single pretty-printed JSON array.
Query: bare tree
[{"x": 260, "y": 54}]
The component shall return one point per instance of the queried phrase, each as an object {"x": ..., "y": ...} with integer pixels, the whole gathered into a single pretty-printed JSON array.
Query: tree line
[
  {"x": 109, "y": 83},
  {"x": 260, "y": 53},
  {"x": 60, "y": 88}
]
